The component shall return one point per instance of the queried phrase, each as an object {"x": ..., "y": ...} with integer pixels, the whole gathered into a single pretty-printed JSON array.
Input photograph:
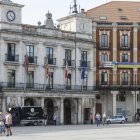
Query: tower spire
[{"x": 75, "y": 7}]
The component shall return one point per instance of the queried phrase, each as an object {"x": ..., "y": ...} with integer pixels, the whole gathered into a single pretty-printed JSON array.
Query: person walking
[
  {"x": 98, "y": 117},
  {"x": 91, "y": 118},
  {"x": 45, "y": 117},
  {"x": 104, "y": 118},
  {"x": 54, "y": 119},
  {"x": 8, "y": 123}
]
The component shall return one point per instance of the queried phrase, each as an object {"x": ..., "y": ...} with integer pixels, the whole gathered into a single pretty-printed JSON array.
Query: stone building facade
[{"x": 71, "y": 99}]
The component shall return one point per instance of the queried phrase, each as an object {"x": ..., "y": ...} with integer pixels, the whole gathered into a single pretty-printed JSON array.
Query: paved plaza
[{"x": 77, "y": 132}]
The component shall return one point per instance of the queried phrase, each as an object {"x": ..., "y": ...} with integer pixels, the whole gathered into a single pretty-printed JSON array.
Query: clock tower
[
  {"x": 10, "y": 12},
  {"x": 77, "y": 21}
]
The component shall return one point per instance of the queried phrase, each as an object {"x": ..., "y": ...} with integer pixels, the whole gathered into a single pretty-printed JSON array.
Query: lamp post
[{"x": 135, "y": 93}]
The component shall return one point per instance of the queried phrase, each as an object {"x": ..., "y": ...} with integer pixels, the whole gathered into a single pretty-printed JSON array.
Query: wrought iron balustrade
[
  {"x": 51, "y": 61},
  {"x": 11, "y": 58}
]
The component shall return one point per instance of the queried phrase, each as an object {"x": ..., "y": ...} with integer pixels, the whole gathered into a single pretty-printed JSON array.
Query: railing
[
  {"x": 51, "y": 61},
  {"x": 85, "y": 64},
  {"x": 45, "y": 87},
  {"x": 125, "y": 46},
  {"x": 32, "y": 59},
  {"x": 71, "y": 63},
  {"x": 11, "y": 58},
  {"x": 103, "y": 46}
]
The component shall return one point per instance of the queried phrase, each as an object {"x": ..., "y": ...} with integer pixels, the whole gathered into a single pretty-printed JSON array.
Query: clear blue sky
[{"x": 35, "y": 10}]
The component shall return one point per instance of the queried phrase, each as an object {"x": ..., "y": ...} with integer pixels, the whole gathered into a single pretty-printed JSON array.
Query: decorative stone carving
[{"x": 13, "y": 101}]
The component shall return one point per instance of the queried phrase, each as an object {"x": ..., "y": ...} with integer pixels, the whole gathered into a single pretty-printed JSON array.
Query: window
[
  {"x": 124, "y": 40},
  {"x": 104, "y": 40},
  {"x": 68, "y": 82},
  {"x": 121, "y": 97},
  {"x": 30, "y": 50},
  {"x": 30, "y": 79},
  {"x": 125, "y": 58},
  {"x": 84, "y": 58},
  {"x": 104, "y": 78},
  {"x": 138, "y": 97},
  {"x": 68, "y": 57},
  {"x": 11, "y": 78},
  {"x": 124, "y": 78},
  {"x": 50, "y": 55},
  {"x": 104, "y": 57},
  {"x": 11, "y": 52},
  {"x": 50, "y": 80}
]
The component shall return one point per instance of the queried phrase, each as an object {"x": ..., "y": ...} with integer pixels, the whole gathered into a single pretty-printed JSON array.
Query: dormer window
[{"x": 103, "y": 17}]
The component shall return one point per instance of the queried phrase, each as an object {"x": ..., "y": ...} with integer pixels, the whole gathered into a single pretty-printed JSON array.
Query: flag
[
  {"x": 47, "y": 68},
  {"x": 83, "y": 70},
  {"x": 66, "y": 70},
  {"x": 26, "y": 62}
]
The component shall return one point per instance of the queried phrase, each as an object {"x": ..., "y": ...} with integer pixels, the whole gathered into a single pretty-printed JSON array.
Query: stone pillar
[
  {"x": 114, "y": 93},
  {"x": 114, "y": 76},
  {"x": 42, "y": 102},
  {"x": 93, "y": 107},
  {"x": 79, "y": 111},
  {"x": 115, "y": 42},
  {"x": 4, "y": 105},
  {"x": 134, "y": 93},
  {"x": 82, "y": 117},
  {"x": 135, "y": 34},
  {"x": 22, "y": 100},
  {"x": 62, "y": 111}
]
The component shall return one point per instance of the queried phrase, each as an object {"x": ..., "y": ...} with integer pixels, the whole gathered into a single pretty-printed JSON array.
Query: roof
[{"x": 116, "y": 11}]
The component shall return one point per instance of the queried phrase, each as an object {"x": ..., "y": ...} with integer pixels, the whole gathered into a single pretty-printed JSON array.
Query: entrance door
[
  {"x": 99, "y": 108},
  {"x": 50, "y": 111},
  {"x": 67, "y": 112},
  {"x": 86, "y": 115}
]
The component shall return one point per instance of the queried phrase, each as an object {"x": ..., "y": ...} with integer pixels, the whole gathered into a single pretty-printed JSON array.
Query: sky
[{"x": 35, "y": 10}]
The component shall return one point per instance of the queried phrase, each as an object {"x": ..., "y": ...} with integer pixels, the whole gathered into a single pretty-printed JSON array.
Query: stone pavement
[{"x": 76, "y": 132}]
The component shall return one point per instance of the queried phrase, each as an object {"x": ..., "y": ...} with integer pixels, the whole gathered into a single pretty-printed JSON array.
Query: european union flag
[{"x": 83, "y": 70}]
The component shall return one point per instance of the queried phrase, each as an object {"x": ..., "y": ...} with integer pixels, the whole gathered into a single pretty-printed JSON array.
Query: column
[
  {"x": 134, "y": 93},
  {"x": 79, "y": 111},
  {"x": 61, "y": 111},
  {"x": 42, "y": 102},
  {"x": 114, "y": 93},
  {"x": 135, "y": 34},
  {"x": 4, "y": 105},
  {"x": 93, "y": 107},
  {"x": 22, "y": 100}
]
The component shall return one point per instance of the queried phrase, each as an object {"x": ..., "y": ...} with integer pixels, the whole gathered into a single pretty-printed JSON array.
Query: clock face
[{"x": 11, "y": 15}]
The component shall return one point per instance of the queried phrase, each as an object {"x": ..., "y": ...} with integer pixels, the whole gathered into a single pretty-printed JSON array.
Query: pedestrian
[
  {"x": 8, "y": 123},
  {"x": 137, "y": 118},
  {"x": 98, "y": 118},
  {"x": 54, "y": 119},
  {"x": 91, "y": 118},
  {"x": 104, "y": 118},
  {"x": 45, "y": 117}
]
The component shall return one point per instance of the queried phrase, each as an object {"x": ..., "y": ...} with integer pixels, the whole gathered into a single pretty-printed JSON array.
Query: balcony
[
  {"x": 71, "y": 63},
  {"x": 103, "y": 46},
  {"x": 85, "y": 64},
  {"x": 125, "y": 46},
  {"x": 51, "y": 61},
  {"x": 32, "y": 59},
  {"x": 11, "y": 59},
  {"x": 55, "y": 88}
]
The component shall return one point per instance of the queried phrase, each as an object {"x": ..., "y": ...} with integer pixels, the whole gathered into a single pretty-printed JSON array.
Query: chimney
[{"x": 83, "y": 11}]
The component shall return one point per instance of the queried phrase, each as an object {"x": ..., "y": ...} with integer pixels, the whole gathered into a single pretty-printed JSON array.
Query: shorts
[{"x": 7, "y": 125}]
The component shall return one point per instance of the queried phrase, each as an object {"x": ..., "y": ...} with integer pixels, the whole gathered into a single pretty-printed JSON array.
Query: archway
[
  {"x": 67, "y": 111},
  {"x": 49, "y": 110},
  {"x": 29, "y": 102}
]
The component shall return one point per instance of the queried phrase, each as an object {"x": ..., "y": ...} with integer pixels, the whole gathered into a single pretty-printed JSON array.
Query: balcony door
[
  {"x": 84, "y": 58},
  {"x": 50, "y": 55},
  {"x": 68, "y": 56},
  {"x": 11, "y": 52},
  {"x": 30, "y": 79},
  {"x": 30, "y": 50},
  {"x": 11, "y": 78}
]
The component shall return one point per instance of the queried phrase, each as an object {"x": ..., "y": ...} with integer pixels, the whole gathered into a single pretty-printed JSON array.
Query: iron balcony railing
[
  {"x": 51, "y": 61},
  {"x": 85, "y": 64},
  {"x": 11, "y": 58},
  {"x": 32, "y": 59},
  {"x": 125, "y": 46},
  {"x": 71, "y": 63},
  {"x": 45, "y": 87}
]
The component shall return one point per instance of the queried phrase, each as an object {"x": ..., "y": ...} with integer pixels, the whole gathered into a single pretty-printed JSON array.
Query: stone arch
[
  {"x": 30, "y": 102},
  {"x": 49, "y": 109}
]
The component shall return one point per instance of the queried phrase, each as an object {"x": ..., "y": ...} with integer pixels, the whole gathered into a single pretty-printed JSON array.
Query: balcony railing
[
  {"x": 51, "y": 61},
  {"x": 101, "y": 46},
  {"x": 71, "y": 63},
  {"x": 85, "y": 64},
  {"x": 11, "y": 58},
  {"x": 45, "y": 87},
  {"x": 125, "y": 46},
  {"x": 32, "y": 60}
]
